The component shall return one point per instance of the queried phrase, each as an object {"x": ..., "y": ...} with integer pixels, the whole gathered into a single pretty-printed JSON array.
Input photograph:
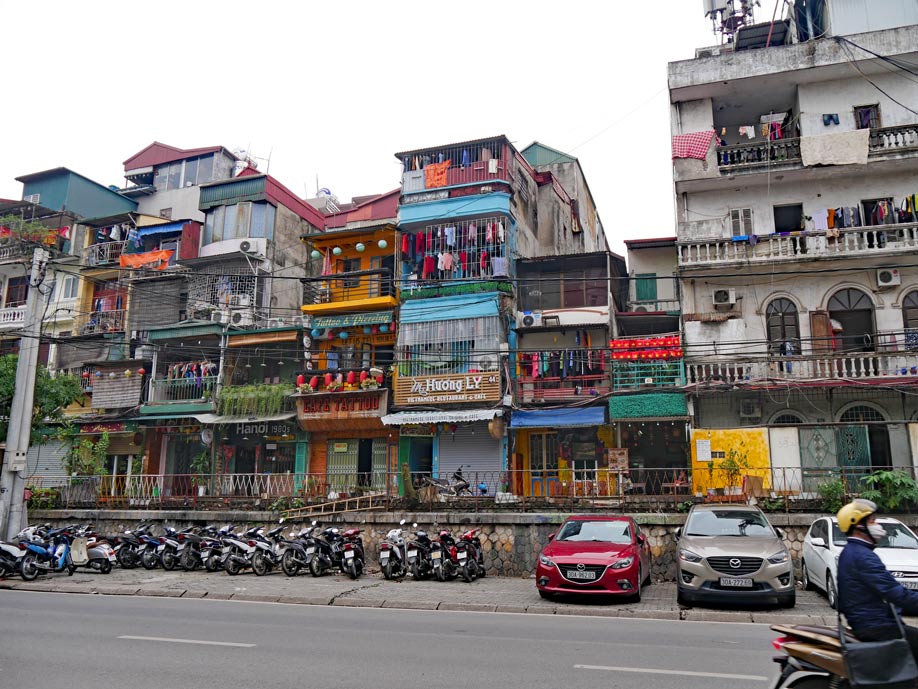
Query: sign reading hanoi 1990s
[{"x": 452, "y": 389}]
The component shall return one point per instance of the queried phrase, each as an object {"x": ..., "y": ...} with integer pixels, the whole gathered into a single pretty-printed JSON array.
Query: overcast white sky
[{"x": 335, "y": 89}]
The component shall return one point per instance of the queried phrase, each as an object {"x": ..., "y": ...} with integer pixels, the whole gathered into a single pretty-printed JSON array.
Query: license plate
[
  {"x": 412, "y": 553},
  {"x": 112, "y": 558},
  {"x": 436, "y": 555},
  {"x": 310, "y": 551},
  {"x": 461, "y": 555},
  {"x": 736, "y": 583},
  {"x": 910, "y": 584},
  {"x": 160, "y": 548},
  {"x": 349, "y": 554},
  {"x": 205, "y": 554},
  {"x": 577, "y": 574},
  {"x": 383, "y": 557}
]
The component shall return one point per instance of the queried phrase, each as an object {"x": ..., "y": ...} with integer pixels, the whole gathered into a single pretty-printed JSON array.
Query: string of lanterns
[
  {"x": 342, "y": 334},
  {"x": 666, "y": 347},
  {"x": 360, "y": 247},
  {"x": 114, "y": 374}
]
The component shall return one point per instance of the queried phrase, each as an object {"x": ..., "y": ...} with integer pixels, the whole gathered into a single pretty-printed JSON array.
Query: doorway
[
  {"x": 420, "y": 458},
  {"x": 880, "y": 450},
  {"x": 853, "y": 331},
  {"x": 543, "y": 463},
  {"x": 364, "y": 461}
]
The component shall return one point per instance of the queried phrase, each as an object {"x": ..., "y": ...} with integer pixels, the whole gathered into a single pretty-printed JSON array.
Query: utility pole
[{"x": 12, "y": 483}]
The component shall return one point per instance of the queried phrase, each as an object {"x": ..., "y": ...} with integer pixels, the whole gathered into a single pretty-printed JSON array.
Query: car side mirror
[
  {"x": 641, "y": 539},
  {"x": 779, "y": 532},
  {"x": 818, "y": 542},
  {"x": 679, "y": 532},
  {"x": 551, "y": 537}
]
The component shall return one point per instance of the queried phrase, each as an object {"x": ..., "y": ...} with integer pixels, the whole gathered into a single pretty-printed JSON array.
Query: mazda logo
[
  {"x": 735, "y": 562},
  {"x": 581, "y": 566}
]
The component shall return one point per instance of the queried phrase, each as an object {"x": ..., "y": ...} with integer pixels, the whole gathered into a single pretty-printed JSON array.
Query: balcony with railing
[
  {"x": 165, "y": 391},
  {"x": 858, "y": 242},
  {"x": 893, "y": 140},
  {"x": 634, "y": 375},
  {"x": 12, "y": 317},
  {"x": 755, "y": 155},
  {"x": 100, "y": 322},
  {"x": 103, "y": 254},
  {"x": 356, "y": 290},
  {"x": 529, "y": 390},
  {"x": 447, "y": 166}
]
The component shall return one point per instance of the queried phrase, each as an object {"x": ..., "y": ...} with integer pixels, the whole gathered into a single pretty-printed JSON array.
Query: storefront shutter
[
  {"x": 472, "y": 447},
  {"x": 45, "y": 464}
]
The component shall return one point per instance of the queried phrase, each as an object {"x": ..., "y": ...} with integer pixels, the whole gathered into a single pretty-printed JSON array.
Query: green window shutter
[{"x": 645, "y": 286}]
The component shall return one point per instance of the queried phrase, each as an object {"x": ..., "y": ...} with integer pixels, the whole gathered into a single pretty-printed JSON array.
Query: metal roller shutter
[
  {"x": 473, "y": 447},
  {"x": 45, "y": 464}
]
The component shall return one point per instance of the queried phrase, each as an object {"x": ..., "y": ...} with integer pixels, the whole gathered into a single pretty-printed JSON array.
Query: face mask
[{"x": 876, "y": 531}]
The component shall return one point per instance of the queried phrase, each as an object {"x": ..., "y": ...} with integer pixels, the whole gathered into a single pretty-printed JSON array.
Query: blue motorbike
[{"x": 47, "y": 551}]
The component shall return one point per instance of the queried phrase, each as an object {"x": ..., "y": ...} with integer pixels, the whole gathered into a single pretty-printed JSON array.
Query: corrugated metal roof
[
  {"x": 500, "y": 137},
  {"x": 158, "y": 153}
]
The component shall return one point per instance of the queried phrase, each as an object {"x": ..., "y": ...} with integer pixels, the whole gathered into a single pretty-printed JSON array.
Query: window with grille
[
  {"x": 783, "y": 327},
  {"x": 787, "y": 420},
  {"x": 910, "y": 312},
  {"x": 867, "y": 116},
  {"x": 741, "y": 222},
  {"x": 476, "y": 248},
  {"x": 444, "y": 347}
]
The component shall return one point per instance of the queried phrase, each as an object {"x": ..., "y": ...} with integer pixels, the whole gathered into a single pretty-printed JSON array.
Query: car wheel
[
  {"x": 831, "y": 591},
  {"x": 682, "y": 600},
  {"x": 636, "y": 596},
  {"x": 805, "y": 577}
]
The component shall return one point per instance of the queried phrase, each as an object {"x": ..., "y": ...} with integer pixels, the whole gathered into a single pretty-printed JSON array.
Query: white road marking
[
  {"x": 187, "y": 641},
  {"x": 654, "y": 671}
]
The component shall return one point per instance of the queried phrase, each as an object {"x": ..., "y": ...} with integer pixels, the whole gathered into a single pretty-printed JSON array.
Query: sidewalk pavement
[{"x": 491, "y": 594}]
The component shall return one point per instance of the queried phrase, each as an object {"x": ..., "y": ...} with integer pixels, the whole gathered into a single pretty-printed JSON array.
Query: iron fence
[{"x": 561, "y": 489}]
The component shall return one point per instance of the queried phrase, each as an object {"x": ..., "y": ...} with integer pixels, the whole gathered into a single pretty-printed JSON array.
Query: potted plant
[
  {"x": 201, "y": 467},
  {"x": 369, "y": 384}
]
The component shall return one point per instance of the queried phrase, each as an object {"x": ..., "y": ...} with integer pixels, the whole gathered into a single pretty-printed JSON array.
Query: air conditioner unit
[
  {"x": 242, "y": 317},
  {"x": 888, "y": 277},
  {"x": 724, "y": 297},
  {"x": 306, "y": 321},
  {"x": 245, "y": 246},
  {"x": 532, "y": 319},
  {"x": 32, "y": 198},
  {"x": 275, "y": 323},
  {"x": 484, "y": 362},
  {"x": 240, "y": 299},
  {"x": 220, "y": 317},
  {"x": 750, "y": 409}
]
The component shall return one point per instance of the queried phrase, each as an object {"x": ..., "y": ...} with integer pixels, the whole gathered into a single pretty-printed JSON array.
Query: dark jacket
[{"x": 865, "y": 586}]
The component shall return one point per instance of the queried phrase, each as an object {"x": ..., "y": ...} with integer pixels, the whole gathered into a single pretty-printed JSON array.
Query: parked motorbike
[
  {"x": 170, "y": 546},
  {"x": 393, "y": 555},
  {"x": 267, "y": 551},
  {"x": 447, "y": 566},
  {"x": 474, "y": 565},
  {"x": 212, "y": 548},
  {"x": 149, "y": 550},
  {"x": 128, "y": 546},
  {"x": 459, "y": 485},
  {"x": 328, "y": 553},
  {"x": 238, "y": 551},
  {"x": 294, "y": 551},
  {"x": 352, "y": 545},
  {"x": 11, "y": 557},
  {"x": 48, "y": 551},
  {"x": 190, "y": 547},
  {"x": 100, "y": 555},
  {"x": 424, "y": 556}
]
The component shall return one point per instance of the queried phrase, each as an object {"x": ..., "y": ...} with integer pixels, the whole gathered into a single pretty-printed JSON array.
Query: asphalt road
[{"x": 88, "y": 641}]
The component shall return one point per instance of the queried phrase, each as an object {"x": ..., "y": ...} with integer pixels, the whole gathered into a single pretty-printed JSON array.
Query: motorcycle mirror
[
  {"x": 280, "y": 521},
  {"x": 402, "y": 523},
  {"x": 315, "y": 523},
  {"x": 414, "y": 525}
]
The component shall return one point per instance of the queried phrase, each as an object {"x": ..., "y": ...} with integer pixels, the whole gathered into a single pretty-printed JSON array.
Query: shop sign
[
  {"x": 449, "y": 389},
  {"x": 425, "y": 196},
  {"x": 339, "y": 447},
  {"x": 112, "y": 427},
  {"x": 271, "y": 429},
  {"x": 343, "y": 405},
  {"x": 352, "y": 319},
  {"x": 421, "y": 431},
  {"x": 617, "y": 458}
]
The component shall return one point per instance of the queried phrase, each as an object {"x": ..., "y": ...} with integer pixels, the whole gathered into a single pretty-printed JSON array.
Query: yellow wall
[{"x": 751, "y": 443}]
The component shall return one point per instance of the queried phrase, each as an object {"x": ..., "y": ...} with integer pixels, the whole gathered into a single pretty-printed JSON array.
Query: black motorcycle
[
  {"x": 424, "y": 556},
  {"x": 449, "y": 565},
  {"x": 294, "y": 556},
  {"x": 328, "y": 553}
]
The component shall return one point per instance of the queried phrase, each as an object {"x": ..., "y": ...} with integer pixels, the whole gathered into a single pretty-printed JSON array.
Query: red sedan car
[{"x": 595, "y": 555}]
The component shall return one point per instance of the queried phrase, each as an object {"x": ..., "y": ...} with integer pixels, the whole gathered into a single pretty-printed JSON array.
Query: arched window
[
  {"x": 861, "y": 413},
  {"x": 910, "y": 310},
  {"x": 850, "y": 299},
  {"x": 783, "y": 326},
  {"x": 787, "y": 419},
  {"x": 853, "y": 327}
]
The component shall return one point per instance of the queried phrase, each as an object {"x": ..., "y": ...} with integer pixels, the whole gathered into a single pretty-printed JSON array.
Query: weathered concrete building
[{"x": 795, "y": 182}]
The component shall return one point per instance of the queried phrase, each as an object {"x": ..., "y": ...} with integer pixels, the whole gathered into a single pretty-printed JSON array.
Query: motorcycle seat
[{"x": 813, "y": 630}]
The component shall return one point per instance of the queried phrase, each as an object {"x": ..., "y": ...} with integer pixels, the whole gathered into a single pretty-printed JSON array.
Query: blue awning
[
  {"x": 160, "y": 229},
  {"x": 449, "y": 308},
  {"x": 563, "y": 418}
]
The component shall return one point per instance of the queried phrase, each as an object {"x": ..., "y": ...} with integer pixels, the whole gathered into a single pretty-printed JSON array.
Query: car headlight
[
  {"x": 689, "y": 556},
  {"x": 624, "y": 562},
  {"x": 546, "y": 561},
  {"x": 778, "y": 558}
]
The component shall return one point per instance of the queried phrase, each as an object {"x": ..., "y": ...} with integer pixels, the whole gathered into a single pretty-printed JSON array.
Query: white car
[{"x": 824, "y": 542}]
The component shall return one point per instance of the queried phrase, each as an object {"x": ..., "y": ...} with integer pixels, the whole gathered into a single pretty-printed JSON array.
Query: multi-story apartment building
[{"x": 795, "y": 182}]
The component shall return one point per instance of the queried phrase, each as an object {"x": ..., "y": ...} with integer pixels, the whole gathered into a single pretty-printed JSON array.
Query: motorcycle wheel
[
  {"x": 387, "y": 569},
  {"x": 188, "y": 561},
  {"x": 469, "y": 571},
  {"x": 70, "y": 570},
  {"x": 818, "y": 683},
  {"x": 212, "y": 564},
  {"x": 481, "y": 568},
  {"x": 416, "y": 572},
  {"x": 105, "y": 566},
  {"x": 148, "y": 559},
  {"x": 352, "y": 569},
  {"x": 167, "y": 560},
  {"x": 232, "y": 567},
  {"x": 289, "y": 564},
  {"x": 441, "y": 573},
  {"x": 260, "y": 564},
  {"x": 316, "y": 568},
  {"x": 127, "y": 559},
  {"x": 28, "y": 567}
]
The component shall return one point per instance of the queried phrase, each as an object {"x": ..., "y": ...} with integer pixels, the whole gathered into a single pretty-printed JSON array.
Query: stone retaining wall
[{"x": 511, "y": 541}]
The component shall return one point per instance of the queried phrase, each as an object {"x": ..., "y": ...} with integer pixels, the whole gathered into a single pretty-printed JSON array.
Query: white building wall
[
  {"x": 843, "y": 95},
  {"x": 183, "y": 202},
  {"x": 662, "y": 262}
]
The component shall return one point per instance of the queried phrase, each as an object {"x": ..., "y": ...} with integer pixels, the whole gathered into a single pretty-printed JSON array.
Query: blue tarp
[
  {"x": 160, "y": 229},
  {"x": 565, "y": 418},
  {"x": 448, "y": 308}
]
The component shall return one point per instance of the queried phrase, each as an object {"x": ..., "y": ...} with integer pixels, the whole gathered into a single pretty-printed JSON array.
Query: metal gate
[
  {"x": 342, "y": 465},
  {"x": 472, "y": 447},
  {"x": 826, "y": 451}
]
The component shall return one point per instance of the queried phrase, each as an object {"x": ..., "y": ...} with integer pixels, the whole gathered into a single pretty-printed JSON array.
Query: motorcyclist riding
[{"x": 865, "y": 586}]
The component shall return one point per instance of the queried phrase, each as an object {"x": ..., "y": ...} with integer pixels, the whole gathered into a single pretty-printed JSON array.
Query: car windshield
[
  {"x": 728, "y": 523},
  {"x": 838, "y": 538},
  {"x": 604, "y": 531},
  {"x": 898, "y": 536}
]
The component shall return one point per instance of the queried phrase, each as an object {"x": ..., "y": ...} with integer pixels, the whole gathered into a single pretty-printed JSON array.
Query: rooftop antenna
[{"x": 728, "y": 16}]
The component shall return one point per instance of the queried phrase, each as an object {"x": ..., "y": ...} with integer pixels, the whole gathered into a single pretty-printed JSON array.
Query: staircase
[{"x": 357, "y": 503}]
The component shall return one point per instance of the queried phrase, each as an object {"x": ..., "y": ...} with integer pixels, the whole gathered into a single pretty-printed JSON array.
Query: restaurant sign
[
  {"x": 352, "y": 319},
  {"x": 449, "y": 389},
  {"x": 356, "y": 410}
]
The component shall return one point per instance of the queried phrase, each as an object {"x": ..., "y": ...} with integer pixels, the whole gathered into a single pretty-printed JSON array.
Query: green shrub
[
  {"x": 832, "y": 494},
  {"x": 891, "y": 490}
]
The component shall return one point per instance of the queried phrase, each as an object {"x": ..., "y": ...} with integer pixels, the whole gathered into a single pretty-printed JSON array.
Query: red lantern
[
  {"x": 380, "y": 378},
  {"x": 300, "y": 379},
  {"x": 351, "y": 377},
  {"x": 374, "y": 329},
  {"x": 141, "y": 371},
  {"x": 314, "y": 382},
  {"x": 363, "y": 376},
  {"x": 328, "y": 379}
]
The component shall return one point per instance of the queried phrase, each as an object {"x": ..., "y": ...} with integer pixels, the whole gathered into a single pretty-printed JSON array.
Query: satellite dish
[{"x": 207, "y": 436}]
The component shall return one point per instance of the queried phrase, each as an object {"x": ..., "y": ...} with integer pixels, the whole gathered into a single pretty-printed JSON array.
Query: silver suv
[{"x": 731, "y": 554}]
